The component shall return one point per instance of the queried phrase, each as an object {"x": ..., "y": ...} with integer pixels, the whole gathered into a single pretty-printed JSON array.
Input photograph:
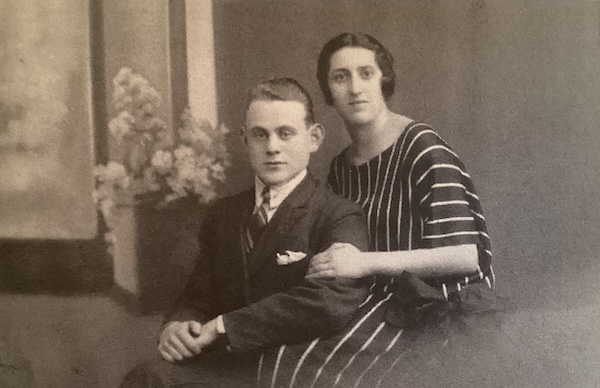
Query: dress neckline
[{"x": 343, "y": 154}]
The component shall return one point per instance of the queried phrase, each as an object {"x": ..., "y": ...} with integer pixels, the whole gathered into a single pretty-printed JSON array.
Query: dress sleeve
[{"x": 445, "y": 203}]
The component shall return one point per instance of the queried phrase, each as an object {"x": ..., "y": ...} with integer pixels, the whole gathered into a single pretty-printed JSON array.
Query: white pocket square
[{"x": 290, "y": 257}]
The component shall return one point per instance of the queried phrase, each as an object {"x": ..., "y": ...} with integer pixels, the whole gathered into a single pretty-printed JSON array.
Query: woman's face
[{"x": 355, "y": 83}]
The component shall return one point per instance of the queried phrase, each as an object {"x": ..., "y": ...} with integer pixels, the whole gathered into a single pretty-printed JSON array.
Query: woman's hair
[
  {"x": 283, "y": 89},
  {"x": 383, "y": 57}
]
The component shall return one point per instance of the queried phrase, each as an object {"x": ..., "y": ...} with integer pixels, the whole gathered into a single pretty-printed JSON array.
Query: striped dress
[{"x": 416, "y": 194}]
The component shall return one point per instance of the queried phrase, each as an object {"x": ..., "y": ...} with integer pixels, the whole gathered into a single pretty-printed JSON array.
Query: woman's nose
[{"x": 355, "y": 84}]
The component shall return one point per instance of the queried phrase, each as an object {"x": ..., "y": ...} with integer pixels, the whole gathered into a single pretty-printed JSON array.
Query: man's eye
[
  {"x": 285, "y": 134},
  {"x": 339, "y": 77},
  {"x": 259, "y": 135}
]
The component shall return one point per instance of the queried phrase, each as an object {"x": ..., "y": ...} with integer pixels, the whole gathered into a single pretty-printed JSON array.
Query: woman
[{"x": 430, "y": 258}]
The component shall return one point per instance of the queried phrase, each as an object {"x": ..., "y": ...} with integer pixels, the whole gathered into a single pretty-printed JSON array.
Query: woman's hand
[{"x": 339, "y": 260}]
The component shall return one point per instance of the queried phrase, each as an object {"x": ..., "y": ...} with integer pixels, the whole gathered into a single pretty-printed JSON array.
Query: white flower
[
  {"x": 121, "y": 125},
  {"x": 147, "y": 123},
  {"x": 223, "y": 129},
  {"x": 151, "y": 179},
  {"x": 110, "y": 238},
  {"x": 112, "y": 171},
  {"x": 133, "y": 93},
  {"x": 177, "y": 185},
  {"x": 115, "y": 171},
  {"x": 218, "y": 171},
  {"x": 162, "y": 161},
  {"x": 96, "y": 197},
  {"x": 186, "y": 169},
  {"x": 209, "y": 194},
  {"x": 122, "y": 76},
  {"x": 121, "y": 93},
  {"x": 200, "y": 181},
  {"x": 193, "y": 132},
  {"x": 183, "y": 152},
  {"x": 204, "y": 160},
  {"x": 106, "y": 206}
]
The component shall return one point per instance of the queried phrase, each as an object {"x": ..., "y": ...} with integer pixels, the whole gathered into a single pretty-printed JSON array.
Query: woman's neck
[{"x": 371, "y": 139}]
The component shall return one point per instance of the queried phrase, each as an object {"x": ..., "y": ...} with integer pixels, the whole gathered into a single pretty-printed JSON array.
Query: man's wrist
[
  {"x": 222, "y": 332},
  {"x": 220, "y": 325},
  {"x": 162, "y": 329}
]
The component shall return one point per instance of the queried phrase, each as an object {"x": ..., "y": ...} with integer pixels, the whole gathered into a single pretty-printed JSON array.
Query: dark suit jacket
[{"x": 264, "y": 303}]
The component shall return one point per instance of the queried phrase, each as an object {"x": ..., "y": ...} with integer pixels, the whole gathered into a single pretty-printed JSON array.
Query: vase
[{"x": 154, "y": 250}]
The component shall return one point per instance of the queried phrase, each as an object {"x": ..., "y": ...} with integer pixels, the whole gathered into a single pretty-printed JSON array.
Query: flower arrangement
[{"x": 150, "y": 162}]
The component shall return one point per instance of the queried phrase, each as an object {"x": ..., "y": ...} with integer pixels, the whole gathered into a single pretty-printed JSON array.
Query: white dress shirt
[{"x": 278, "y": 193}]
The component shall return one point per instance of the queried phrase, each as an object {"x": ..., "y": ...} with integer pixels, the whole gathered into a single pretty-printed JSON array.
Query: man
[{"x": 249, "y": 289}]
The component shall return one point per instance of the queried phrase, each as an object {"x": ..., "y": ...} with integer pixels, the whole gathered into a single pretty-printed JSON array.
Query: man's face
[{"x": 279, "y": 141}]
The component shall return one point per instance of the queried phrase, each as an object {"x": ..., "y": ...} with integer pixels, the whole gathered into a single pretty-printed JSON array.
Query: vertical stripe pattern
[
  {"x": 421, "y": 197},
  {"x": 415, "y": 194}
]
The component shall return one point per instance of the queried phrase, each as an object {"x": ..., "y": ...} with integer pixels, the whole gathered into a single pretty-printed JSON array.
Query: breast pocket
[{"x": 292, "y": 260}]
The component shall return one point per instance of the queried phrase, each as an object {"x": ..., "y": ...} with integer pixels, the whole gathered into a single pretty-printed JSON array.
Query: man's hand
[
  {"x": 339, "y": 260},
  {"x": 208, "y": 334},
  {"x": 179, "y": 340}
]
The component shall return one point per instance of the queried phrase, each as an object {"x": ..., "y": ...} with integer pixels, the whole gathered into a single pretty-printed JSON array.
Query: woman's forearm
[{"x": 424, "y": 263}]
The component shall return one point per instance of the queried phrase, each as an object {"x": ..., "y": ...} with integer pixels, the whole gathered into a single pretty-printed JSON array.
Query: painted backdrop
[{"x": 46, "y": 154}]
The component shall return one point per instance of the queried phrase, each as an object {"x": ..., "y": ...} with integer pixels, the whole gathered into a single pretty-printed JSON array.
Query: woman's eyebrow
[
  {"x": 338, "y": 69},
  {"x": 257, "y": 128}
]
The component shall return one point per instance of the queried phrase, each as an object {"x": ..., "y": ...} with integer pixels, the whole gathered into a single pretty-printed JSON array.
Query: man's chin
[{"x": 274, "y": 180}]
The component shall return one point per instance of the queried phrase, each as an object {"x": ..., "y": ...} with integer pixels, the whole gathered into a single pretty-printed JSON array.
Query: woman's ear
[{"x": 316, "y": 132}]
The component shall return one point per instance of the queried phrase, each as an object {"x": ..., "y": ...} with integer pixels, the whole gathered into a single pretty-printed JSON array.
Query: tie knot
[{"x": 266, "y": 196}]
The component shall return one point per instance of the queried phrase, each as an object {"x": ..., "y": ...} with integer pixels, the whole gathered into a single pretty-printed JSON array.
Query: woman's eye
[{"x": 367, "y": 73}]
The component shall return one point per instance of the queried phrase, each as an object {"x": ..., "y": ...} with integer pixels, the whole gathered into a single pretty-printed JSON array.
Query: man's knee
[
  {"x": 154, "y": 373},
  {"x": 221, "y": 373}
]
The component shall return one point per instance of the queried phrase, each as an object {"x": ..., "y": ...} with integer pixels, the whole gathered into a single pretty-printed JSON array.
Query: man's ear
[
  {"x": 243, "y": 134},
  {"x": 316, "y": 132}
]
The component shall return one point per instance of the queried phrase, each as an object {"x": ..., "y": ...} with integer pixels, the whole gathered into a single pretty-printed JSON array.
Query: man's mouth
[{"x": 358, "y": 102}]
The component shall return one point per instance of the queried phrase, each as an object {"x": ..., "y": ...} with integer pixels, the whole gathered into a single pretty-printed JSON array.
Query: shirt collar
[{"x": 278, "y": 193}]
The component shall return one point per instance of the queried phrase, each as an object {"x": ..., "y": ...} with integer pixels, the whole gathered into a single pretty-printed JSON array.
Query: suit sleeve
[
  {"x": 313, "y": 308},
  {"x": 195, "y": 301}
]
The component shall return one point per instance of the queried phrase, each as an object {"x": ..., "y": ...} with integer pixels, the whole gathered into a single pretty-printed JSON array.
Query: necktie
[{"x": 259, "y": 220}]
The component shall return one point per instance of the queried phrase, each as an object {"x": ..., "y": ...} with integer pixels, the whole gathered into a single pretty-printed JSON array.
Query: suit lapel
[
  {"x": 292, "y": 209},
  {"x": 244, "y": 208}
]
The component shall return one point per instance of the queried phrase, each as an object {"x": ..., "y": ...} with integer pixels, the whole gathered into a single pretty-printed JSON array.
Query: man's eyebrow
[{"x": 286, "y": 128}]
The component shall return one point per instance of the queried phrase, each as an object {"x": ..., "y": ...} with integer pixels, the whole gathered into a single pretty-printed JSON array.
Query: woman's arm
[{"x": 344, "y": 260}]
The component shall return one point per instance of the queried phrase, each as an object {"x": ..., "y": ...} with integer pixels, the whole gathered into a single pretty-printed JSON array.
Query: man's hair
[
  {"x": 283, "y": 89},
  {"x": 383, "y": 57}
]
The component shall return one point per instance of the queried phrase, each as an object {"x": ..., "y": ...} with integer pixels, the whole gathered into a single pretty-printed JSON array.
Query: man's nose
[{"x": 273, "y": 145}]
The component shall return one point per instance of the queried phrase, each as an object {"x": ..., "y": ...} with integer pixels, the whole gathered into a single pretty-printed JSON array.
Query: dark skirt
[{"x": 406, "y": 333}]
